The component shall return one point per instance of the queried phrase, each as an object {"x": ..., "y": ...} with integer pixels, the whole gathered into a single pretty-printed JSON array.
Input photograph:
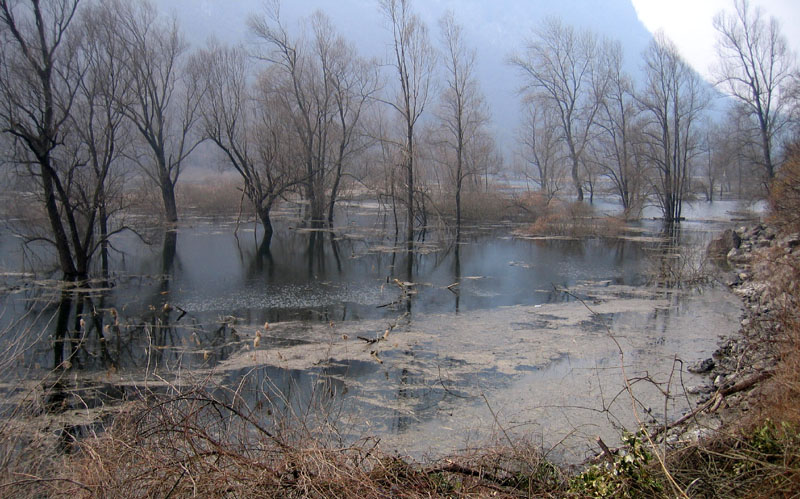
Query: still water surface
[{"x": 499, "y": 330}]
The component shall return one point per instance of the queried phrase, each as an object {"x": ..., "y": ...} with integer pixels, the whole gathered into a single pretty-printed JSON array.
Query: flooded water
[{"x": 498, "y": 333}]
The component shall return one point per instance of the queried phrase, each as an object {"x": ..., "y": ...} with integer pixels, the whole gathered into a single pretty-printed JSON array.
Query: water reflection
[
  {"x": 195, "y": 299},
  {"x": 180, "y": 303}
]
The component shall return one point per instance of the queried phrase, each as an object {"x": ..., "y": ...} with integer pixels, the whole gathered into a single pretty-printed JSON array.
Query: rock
[
  {"x": 699, "y": 389},
  {"x": 791, "y": 241},
  {"x": 736, "y": 255},
  {"x": 732, "y": 280},
  {"x": 702, "y": 366},
  {"x": 723, "y": 244}
]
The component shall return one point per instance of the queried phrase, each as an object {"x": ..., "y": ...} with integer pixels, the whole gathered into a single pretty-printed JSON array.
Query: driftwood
[
  {"x": 711, "y": 404},
  {"x": 715, "y": 401}
]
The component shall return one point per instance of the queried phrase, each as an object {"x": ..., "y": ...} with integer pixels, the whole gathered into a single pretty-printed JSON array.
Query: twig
[
  {"x": 606, "y": 451},
  {"x": 629, "y": 389},
  {"x": 43, "y": 480},
  {"x": 715, "y": 400}
]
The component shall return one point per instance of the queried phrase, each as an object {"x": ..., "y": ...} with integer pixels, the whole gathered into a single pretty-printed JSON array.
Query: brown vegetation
[
  {"x": 220, "y": 197},
  {"x": 785, "y": 197},
  {"x": 567, "y": 219}
]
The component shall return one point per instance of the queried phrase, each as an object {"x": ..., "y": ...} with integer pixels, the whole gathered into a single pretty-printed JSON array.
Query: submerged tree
[
  {"x": 672, "y": 100},
  {"x": 414, "y": 62},
  {"x": 323, "y": 88},
  {"x": 240, "y": 117},
  {"x": 163, "y": 102},
  {"x": 462, "y": 111},
  {"x": 756, "y": 67},
  {"x": 100, "y": 125},
  {"x": 38, "y": 87},
  {"x": 615, "y": 151},
  {"x": 563, "y": 66}
]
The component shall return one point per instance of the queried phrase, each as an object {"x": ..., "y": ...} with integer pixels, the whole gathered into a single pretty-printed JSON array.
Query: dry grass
[
  {"x": 212, "y": 197},
  {"x": 784, "y": 196},
  {"x": 197, "y": 444},
  {"x": 478, "y": 206},
  {"x": 555, "y": 217}
]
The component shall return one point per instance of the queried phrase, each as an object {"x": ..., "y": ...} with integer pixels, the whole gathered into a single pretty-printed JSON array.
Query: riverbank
[{"x": 742, "y": 440}]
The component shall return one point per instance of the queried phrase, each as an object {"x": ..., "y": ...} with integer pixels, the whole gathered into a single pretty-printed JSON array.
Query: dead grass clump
[
  {"x": 758, "y": 461},
  {"x": 212, "y": 197},
  {"x": 196, "y": 444},
  {"x": 199, "y": 443},
  {"x": 478, "y": 206},
  {"x": 570, "y": 219}
]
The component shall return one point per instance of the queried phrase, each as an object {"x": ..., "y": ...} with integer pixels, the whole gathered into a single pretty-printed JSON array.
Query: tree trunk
[
  {"x": 266, "y": 222},
  {"x": 104, "y": 239},
  {"x": 168, "y": 196},
  {"x": 576, "y": 180},
  {"x": 410, "y": 192},
  {"x": 59, "y": 234}
]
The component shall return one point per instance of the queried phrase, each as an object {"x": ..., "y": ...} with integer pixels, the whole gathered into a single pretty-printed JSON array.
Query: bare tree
[
  {"x": 673, "y": 99},
  {"x": 614, "y": 150},
  {"x": 560, "y": 65},
  {"x": 542, "y": 151},
  {"x": 100, "y": 128},
  {"x": 38, "y": 85},
  {"x": 163, "y": 102},
  {"x": 324, "y": 87},
  {"x": 744, "y": 175},
  {"x": 243, "y": 122},
  {"x": 756, "y": 67},
  {"x": 414, "y": 61},
  {"x": 462, "y": 111},
  {"x": 718, "y": 158}
]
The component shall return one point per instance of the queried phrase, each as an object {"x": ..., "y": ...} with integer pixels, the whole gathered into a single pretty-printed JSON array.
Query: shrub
[{"x": 784, "y": 196}]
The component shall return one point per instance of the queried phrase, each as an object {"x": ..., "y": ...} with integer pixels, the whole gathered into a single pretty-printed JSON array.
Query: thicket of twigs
[{"x": 197, "y": 442}]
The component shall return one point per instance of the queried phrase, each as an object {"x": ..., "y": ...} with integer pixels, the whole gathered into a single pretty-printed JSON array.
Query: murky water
[{"x": 499, "y": 332}]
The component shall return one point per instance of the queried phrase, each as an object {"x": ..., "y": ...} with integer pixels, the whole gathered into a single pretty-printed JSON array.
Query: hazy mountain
[{"x": 496, "y": 29}]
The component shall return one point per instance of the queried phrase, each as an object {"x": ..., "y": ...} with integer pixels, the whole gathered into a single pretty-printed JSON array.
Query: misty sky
[{"x": 496, "y": 28}]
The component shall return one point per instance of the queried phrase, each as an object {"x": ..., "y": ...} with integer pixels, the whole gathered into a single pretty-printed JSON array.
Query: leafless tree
[
  {"x": 38, "y": 86},
  {"x": 743, "y": 175},
  {"x": 756, "y": 66},
  {"x": 614, "y": 151},
  {"x": 414, "y": 61},
  {"x": 720, "y": 150},
  {"x": 543, "y": 154},
  {"x": 241, "y": 118},
  {"x": 324, "y": 88},
  {"x": 163, "y": 102},
  {"x": 672, "y": 99},
  {"x": 103, "y": 132},
  {"x": 561, "y": 65},
  {"x": 462, "y": 113}
]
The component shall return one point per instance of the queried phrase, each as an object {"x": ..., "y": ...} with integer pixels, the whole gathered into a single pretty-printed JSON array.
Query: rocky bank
[{"x": 758, "y": 265}]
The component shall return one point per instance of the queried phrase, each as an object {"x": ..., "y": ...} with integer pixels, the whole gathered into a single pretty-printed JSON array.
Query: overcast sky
[
  {"x": 688, "y": 23},
  {"x": 497, "y": 29}
]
